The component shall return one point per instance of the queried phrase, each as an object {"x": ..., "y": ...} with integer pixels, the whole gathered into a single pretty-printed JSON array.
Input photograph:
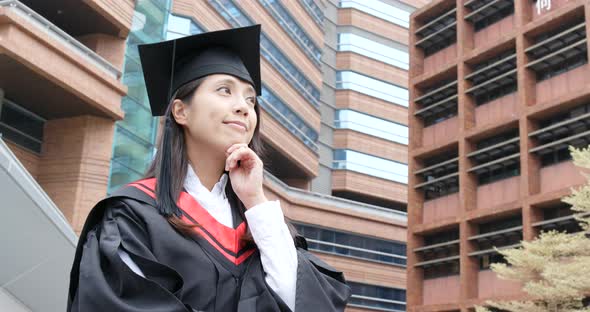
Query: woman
[{"x": 198, "y": 234}]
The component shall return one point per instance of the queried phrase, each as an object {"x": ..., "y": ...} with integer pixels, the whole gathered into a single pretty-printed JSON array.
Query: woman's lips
[{"x": 236, "y": 126}]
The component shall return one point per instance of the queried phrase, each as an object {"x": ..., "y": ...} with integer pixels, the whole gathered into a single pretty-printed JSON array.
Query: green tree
[{"x": 554, "y": 268}]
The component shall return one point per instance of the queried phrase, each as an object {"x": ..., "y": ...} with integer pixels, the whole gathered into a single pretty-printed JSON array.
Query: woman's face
[{"x": 220, "y": 113}]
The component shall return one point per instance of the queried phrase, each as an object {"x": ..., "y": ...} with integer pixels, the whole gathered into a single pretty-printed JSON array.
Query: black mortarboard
[{"x": 170, "y": 64}]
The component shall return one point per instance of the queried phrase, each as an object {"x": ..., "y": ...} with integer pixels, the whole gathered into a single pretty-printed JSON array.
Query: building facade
[
  {"x": 334, "y": 113},
  {"x": 498, "y": 91},
  {"x": 60, "y": 96}
]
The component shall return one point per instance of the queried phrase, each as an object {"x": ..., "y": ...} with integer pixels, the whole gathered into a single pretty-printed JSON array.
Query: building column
[
  {"x": 74, "y": 166},
  {"x": 323, "y": 182},
  {"x": 110, "y": 48}
]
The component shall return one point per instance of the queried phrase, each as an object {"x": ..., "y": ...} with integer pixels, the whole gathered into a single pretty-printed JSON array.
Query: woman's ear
[{"x": 179, "y": 112}]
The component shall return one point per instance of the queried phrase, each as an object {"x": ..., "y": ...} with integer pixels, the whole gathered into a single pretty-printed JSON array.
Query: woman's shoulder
[
  {"x": 137, "y": 193},
  {"x": 129, "y": 200}
]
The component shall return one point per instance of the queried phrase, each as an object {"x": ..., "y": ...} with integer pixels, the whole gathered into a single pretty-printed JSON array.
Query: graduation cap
[{"x": 170, "y": 64}]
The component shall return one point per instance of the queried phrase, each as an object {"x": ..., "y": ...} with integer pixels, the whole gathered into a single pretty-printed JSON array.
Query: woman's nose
[{"x": 241, "y": 107}]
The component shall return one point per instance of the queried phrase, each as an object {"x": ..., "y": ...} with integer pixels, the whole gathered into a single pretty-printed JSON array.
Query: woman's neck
[{"x": 208, "y": 166}]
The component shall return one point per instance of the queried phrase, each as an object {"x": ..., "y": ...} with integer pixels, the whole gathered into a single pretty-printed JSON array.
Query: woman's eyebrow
[
  {"x": 226, "y": 80},
  {"x": 233, "y": 82}
]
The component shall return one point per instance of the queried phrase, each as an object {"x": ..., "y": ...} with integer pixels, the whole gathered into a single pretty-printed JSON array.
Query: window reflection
[
  {"x": 179, "y": 26},
  {"x": 138, "y": 120},
  {"x": 131, "y": 151},
  {"x": 370, "y": 165},
  {"x": 369, "y": 48},
  {"x": 292, "y": 28},
  {"x": 382, "y": 298},
  {"x": 351, "y": 245},
  {"x": 270, "y": 52},
  {"x": 372, "y": 87},
  {"x": 121, "y": 175},
  {"x": 312, "y": 8},
  {"x": 349, "y": 119},
  {"x": 134, "y": 137},
  {"x": 288, "y": 118},
  {"x": 399, "y": 15}
]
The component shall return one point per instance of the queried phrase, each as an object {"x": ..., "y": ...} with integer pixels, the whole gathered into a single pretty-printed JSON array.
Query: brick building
[
  {"x": 74, "y": 113},
  {"x": 498, "y": 90}
]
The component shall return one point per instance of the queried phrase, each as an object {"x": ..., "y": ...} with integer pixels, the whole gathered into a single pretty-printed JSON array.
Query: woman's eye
[
  {"x": 224, "y": 89},
  {"x": 251, "y": 100}
]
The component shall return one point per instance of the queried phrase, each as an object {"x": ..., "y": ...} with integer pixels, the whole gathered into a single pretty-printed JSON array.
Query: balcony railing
[
  {"x": 437, "y": 104},
  {"x": 56, "y": 33},
  {"x": 484, "y": 13},
  {"x": 559, "y": 52},
  {"x": 438, "y": 33},
  {"x": 498, "y": 161},
  {"x": 493, "y": 79},
  {"x": 555, "y": 138}
]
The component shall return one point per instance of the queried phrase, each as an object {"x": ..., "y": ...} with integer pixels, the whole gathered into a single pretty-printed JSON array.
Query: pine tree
[{"x": 554, "y": 269}]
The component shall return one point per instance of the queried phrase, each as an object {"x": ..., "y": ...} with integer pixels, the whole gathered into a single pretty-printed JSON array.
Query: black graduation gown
[{"x": 209, "y": 271}]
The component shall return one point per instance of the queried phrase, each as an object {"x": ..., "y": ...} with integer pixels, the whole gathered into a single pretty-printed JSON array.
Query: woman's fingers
[
  {"x": 246, "y": 156},
  {"x": 229, "y": 153},
  {"x": 234, "y": 147}
]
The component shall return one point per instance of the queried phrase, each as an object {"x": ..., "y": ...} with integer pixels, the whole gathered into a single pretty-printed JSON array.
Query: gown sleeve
[
  {"x": 320, "y": 287},
  {"x": 300, "y": 279},
  {"x": 277, "y": 249},
  {"x": 105, "y": 283}
]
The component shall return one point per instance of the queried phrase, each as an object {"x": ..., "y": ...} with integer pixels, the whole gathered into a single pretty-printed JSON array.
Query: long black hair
[{"x": 170, "y": 164}]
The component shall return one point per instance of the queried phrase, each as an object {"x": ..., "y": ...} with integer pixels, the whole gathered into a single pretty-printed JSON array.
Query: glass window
[
  {"x": 349, "y": 119},
  {"x": 292, "y": 28},
  {"x": 493, "y": 18},
  {"x": 442, "y": 270},
  {"x": 501, "y": 90},
  {"x": 386, "y": 54},
  {"x": 161, "y": 4},
  {"x": 562, "y": 65},
  {"x": 133, "y": 79},
  {"x": 312, "y": 8},
  {"x": 270, "y": 52},
  {"x": 370, "y": 165},
  {"x": 138, "y": 120},
  {"x": 497, "y": 173},
  {"x": 121, "y": 175},
  {"x": 20, "y": 126},
  {"x": 288, "y": 118},
  {"x": 351, "y": 245},
  {"x": 498, "y": 225},
  {"x": 148, "y": 21},
  {"x": 382, "y": 298},
  {"x": 485, "y": 261},
  {"x": 135, "y": 134},
  {"x": 284, "y": 66},
  {"x": 131, "y": 151},
  {"x": 399, "y": 14},
  {"x": 179, "y": 26},
  {"x": 372, "y": 87}
]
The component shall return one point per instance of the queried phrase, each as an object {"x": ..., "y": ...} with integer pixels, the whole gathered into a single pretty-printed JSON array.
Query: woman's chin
[{"x": 234, "y": 141}]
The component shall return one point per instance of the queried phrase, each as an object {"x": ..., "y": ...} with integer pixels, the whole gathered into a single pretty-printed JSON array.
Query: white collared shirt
[
  {"x": 214, "y": 201},
  {"x": 267, "y": 225}
]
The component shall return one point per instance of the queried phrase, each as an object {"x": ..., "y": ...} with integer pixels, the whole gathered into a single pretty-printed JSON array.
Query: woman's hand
[{"x": 246, "y": 180}]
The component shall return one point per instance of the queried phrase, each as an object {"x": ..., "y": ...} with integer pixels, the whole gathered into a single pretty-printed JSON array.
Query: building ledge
[
  {"x": 69, "y": 78},
  {"x": 341, "y": 204}
]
